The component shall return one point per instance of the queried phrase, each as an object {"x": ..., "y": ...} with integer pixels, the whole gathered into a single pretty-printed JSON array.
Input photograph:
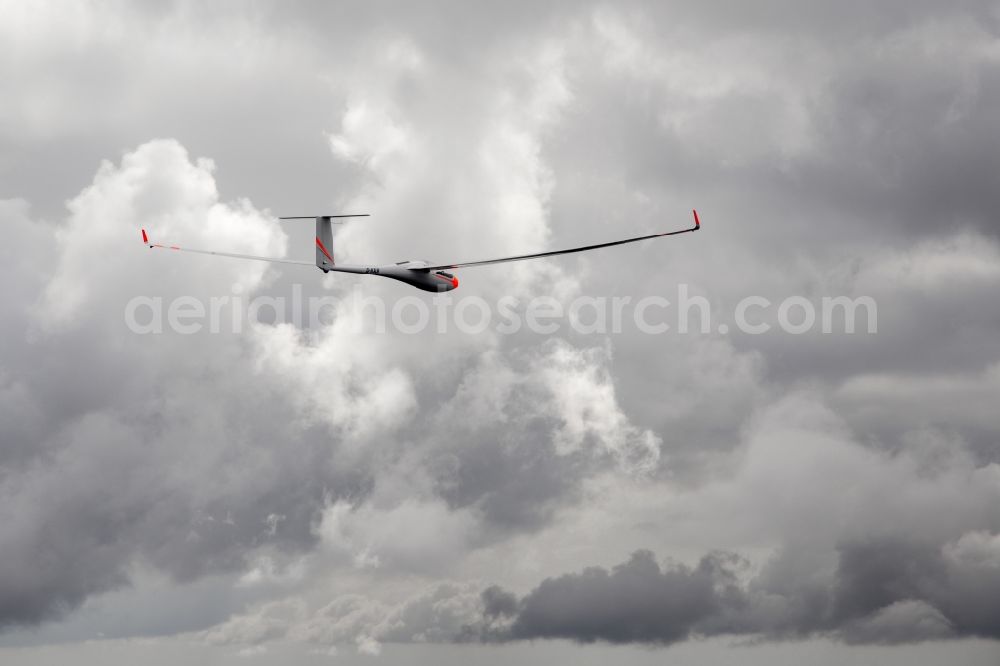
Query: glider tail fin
[
  {"x": 324, "y": 237},
  {"x": 324, "y": 243}
]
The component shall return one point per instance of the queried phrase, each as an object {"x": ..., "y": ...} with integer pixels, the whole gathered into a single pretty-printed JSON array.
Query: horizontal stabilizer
[{"x": 326, "y": 217}]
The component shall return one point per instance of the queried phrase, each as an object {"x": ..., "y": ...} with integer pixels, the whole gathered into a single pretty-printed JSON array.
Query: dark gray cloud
[
  {"x": 883, "y": 591},
  {"x": 635, "y": 602}
]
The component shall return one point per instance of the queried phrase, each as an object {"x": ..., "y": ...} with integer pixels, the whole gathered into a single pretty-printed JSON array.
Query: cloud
[
  {"x": 96, "y": 485},
  {"x": 413, "y": 536},
  {"x": 365, "y": 489},
  {"x": 157, "y": 187},
  {"x": 436, "y": 614},
  {"x": 195, "y": 432},
  {"x": 883, "y": 592},
  {"x": 635, "y": 602},
  {"x": 267, "y": 622}
]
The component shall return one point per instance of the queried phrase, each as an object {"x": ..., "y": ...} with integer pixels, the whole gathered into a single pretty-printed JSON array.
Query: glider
[{"x": 420, "y": 274}]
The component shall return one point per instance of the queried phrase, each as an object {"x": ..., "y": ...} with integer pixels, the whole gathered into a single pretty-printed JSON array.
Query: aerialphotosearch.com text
[{"x": 684, "y": 312}]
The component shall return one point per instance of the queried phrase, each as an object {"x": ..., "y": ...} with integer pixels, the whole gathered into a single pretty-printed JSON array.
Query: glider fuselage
[{"x": 421, "y": 278}]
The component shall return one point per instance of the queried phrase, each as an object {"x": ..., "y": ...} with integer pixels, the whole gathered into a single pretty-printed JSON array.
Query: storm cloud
[{"x": 883, "y": 591}]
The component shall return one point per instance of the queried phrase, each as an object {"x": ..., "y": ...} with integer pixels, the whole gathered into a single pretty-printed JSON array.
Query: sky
[{"x": 331, "y": 490}]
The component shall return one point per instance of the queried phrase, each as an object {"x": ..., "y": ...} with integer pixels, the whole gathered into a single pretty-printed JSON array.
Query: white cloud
[
  {"x": 267, "y": 622},
  {"x": 585, "y": 401},
  {"x": 414, "y": 535},
  {"x": 99, "y": 255},
  {"x": 343, "y": 378},
  {"x": 435, "y": 614}
]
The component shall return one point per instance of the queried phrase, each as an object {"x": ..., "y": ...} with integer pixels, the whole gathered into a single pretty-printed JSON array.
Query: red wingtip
[
  {"x": 145, "y": 238},
  {"x": 697, "y": 222}
]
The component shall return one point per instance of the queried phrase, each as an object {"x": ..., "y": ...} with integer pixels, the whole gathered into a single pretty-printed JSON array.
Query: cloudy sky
[{"x": 313, "y": 491}]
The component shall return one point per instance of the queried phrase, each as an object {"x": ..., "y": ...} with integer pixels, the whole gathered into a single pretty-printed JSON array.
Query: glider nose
[{"x": 448, "y": 278}]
